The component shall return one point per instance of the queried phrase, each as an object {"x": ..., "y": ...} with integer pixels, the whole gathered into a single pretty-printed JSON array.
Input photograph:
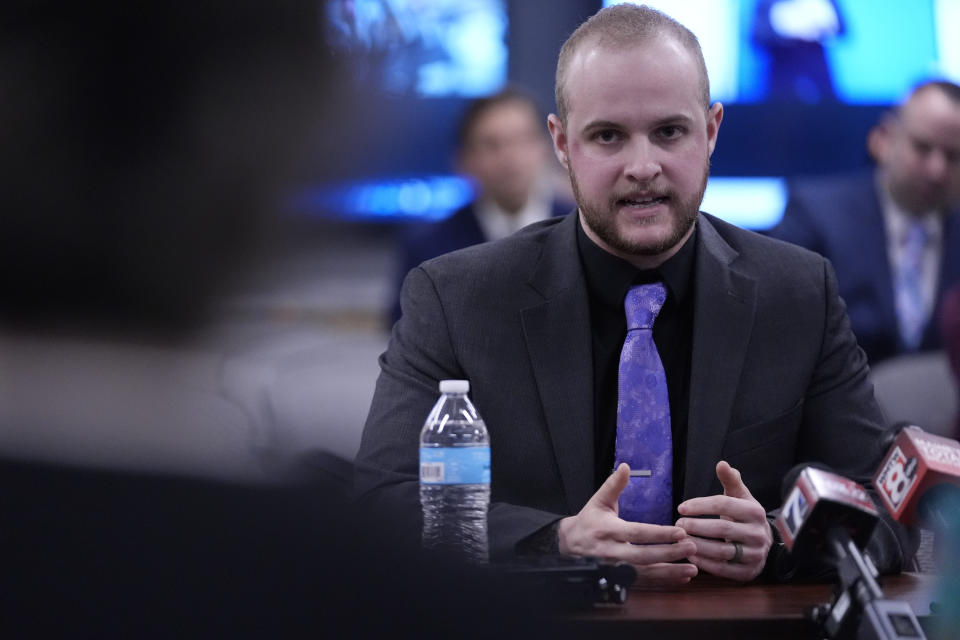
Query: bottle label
[{"x": 455, "y": 465}]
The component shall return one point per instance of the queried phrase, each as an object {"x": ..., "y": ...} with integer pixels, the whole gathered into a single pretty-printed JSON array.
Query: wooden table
[{"x": 710, "y": 608}]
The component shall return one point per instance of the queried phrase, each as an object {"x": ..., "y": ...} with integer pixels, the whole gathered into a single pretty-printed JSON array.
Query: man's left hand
[{"x": 734, "y": 544}]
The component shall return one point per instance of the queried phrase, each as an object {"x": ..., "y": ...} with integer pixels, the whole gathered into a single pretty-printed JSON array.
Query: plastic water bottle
[{"x": 455, "y": 476}]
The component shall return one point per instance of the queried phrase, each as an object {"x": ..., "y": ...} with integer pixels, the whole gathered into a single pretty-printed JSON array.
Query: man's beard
[{"x": 603, "y": 223}]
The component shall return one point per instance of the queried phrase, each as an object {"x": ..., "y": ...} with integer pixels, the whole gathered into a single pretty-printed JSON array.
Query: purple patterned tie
[{"x": 644, "y": 439}]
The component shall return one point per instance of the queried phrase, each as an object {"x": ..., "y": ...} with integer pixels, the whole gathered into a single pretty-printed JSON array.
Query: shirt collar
[
  {"x": 497, "y": 223},
  {"x": 609, "y": 277}
]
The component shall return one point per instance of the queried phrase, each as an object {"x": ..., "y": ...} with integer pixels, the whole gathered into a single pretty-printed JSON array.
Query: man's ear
[
  {"x": 714, "y": 118},
  {"x": 878, "y": 139},
  {"x": 559, "y": 137}
]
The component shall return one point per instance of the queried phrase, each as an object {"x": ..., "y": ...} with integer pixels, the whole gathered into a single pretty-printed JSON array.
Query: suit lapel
[
  {"x": 557, "y": 334},
  {"x": 871, "y": 229},
  {"x": 724, "y": 308}
]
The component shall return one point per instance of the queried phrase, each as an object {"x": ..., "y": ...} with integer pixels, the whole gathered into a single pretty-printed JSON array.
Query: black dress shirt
[{"x": 608, "y": 280}]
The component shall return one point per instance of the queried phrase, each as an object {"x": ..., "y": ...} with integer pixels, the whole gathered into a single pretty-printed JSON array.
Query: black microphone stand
[{"x": 859, "y": 610}]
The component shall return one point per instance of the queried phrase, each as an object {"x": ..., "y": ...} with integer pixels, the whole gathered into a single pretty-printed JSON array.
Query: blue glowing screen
[
  {"x": 848, "y": 51},
  {"x": 429, "y": 48}
]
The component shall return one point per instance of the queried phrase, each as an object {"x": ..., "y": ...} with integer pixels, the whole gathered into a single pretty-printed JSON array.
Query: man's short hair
[
  {"x": 950, "y": 89},
  {"x": 625, "y": 25},
  {"x": 480, "y": 106}
]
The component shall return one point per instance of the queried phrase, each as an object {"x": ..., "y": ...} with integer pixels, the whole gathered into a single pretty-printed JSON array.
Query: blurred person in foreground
[
  {"x": 502, "y": 148},
  {"x": 892, "y": 233},
  {"x": 751, "y": 367},
  {"x": 144, "y": 149},
  {"x": 136, "y": 193}
]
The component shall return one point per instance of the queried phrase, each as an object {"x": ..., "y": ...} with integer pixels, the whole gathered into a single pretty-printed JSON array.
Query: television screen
[
  {"x": 429, "y": 48},
  {"x": 848, "y": 51},
  {"x": 409, "y": 68}
]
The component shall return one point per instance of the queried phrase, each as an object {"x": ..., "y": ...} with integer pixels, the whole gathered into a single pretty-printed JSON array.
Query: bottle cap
[{"x": 454, "y": 386}]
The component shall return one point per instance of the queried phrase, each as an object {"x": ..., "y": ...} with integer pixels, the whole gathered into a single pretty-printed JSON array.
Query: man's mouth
[{"x": 641, "y": 201}]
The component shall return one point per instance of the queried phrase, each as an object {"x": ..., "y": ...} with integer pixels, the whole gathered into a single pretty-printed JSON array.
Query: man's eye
[
  {"x": 606, "y": 136},
  {"x": 671, "y": 132}
]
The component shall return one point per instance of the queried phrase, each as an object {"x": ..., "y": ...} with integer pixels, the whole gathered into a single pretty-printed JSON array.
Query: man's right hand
[{"x": 599, "y": 532}]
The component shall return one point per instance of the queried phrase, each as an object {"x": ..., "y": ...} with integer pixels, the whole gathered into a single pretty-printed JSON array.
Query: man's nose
[{"x": 643, "y": 162}]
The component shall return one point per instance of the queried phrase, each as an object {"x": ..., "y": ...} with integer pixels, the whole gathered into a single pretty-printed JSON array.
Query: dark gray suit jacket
[
  {"x": 776, "y": 375},
  {"x": 423, "y": 241}
]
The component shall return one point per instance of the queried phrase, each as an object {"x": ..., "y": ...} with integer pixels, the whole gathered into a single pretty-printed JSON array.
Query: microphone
[
  {"x": 826, "y": 514},
  {"x": 919, "y": 480},
  {"x": 816, "y": 501}
]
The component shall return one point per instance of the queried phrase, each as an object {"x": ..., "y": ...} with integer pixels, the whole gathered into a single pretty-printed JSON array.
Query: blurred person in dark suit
[
  {"x": 503, "y": 150},
  {"x": 891, "y": 233},
  {"x": 143, "y": 148}
]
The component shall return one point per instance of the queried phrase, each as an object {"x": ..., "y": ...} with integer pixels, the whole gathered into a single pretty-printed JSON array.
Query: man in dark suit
[
  {"x": 501, "y": 147},
  {"x": 864, "y": 224},
  {"x": 762, "y": 371}
]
